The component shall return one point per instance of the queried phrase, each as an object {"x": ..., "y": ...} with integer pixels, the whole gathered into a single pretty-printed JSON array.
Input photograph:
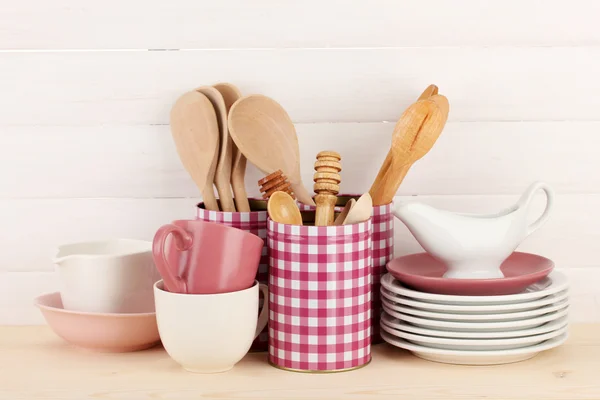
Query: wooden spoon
[
  {"x": 282, "y": 208},
  {"x": 195, "y": 131},
  {"x": 428, "y": 135},
  {"x": 231, "y": 94},
  {"x": 265, "y": 134},
  {"x": 361, "y": 211},
  {"x": 339, "y": 220},
  {"x": 386, "y": 183},
  {"x": 223, "y": 172}
]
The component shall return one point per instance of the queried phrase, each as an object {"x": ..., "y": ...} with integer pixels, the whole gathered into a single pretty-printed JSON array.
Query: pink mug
[{"x": 205, "y": 257}]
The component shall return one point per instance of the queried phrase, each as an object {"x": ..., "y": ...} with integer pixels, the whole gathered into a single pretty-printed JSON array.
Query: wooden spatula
[
  {"x": 428, "y": 134},
  {"x": 231, "y": 94},
  {"x": 265, "y": 134},
  {"x": 195, "y": 131},
  {"x": 428, "y": 92},
  {"x": 387, "y": 182},
  {"x": 223, "y": 171}
]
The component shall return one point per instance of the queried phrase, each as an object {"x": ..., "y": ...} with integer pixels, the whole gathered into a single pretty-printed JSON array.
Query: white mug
[
  {"x": 111, "y": 276},
  {"x": 209, "y": 333}
]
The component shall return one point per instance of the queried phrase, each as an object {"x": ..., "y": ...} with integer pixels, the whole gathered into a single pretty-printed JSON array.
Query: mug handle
[
  {"x": 170, "y": 273},
  {"x": 263, "y": 317}
]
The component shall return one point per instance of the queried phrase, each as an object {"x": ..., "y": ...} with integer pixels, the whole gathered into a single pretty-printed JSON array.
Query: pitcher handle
[
  {"x": 263, "y": 317},
  {"x": 526, "y": 200},
  {"x": 170, "y": 273}
]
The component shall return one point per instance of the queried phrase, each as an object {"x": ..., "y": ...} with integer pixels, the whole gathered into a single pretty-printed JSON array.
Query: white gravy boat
[{"x": 473, "y": 246}]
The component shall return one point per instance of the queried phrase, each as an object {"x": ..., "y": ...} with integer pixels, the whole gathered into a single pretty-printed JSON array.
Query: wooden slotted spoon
[
  {"x": 428, "y": 92},
  {"x": 231, "y": 94},
  {"x": 428, "y": 135},
  {"x": 408, "y": 126},
  {"x": 223, "y": 171},
  {"x": 195, "y": 132},
  {"x": 265, "y": 134}
]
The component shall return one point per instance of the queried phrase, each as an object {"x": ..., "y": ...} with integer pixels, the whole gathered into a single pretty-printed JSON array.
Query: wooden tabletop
[{"x": 35, "y": 364}]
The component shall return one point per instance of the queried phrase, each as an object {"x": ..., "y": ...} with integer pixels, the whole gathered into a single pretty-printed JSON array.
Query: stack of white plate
[{"x": 476, "y": 330}]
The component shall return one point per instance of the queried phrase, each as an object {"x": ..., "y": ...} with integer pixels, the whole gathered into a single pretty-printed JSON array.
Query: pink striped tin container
[
  {"x": 254, "y": 222},
  {"x": 319, "y": 296},
  {"x": 382, "y": 249}
]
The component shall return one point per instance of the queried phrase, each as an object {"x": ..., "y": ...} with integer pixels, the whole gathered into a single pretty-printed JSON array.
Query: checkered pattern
[
  {"x": 319, "y": 296},
  {"x": 382, "y": 244},
  {"x": 254, "y": 222},
  {"x": 382, "y": 252}
]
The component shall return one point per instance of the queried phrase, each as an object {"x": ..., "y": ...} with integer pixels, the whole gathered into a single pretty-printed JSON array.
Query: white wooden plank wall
[{"x": 86, "y": 88}]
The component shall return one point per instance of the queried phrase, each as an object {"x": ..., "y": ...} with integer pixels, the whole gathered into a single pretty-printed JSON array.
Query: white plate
[
  {"x": 475, "y": 309},
  {"x": 475, "y": 357},
  {"x": 514, "y": 316},
  {"x": 545, "y": 328},
  {"x": 555, "y": 282},
  {"x": 475, "y": 326},
  {"x": 471, "y": 344}
]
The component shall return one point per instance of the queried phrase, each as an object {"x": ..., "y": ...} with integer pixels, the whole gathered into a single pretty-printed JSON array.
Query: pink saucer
[
  {"x": 112, "y": 333},
  {"x": 424, "y": 273}
]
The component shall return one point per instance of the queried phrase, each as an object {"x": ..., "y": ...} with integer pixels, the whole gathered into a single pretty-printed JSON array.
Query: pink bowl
[
  {"x": 111, "y": 333},
  {"x": 424, "y": 273}
]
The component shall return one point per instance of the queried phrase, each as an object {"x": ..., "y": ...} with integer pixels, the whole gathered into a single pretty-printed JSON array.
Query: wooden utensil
[
  {"x": 428, "y": 92},
  {"x": 428, "y": 135},
  {"x": 265, "y": 134},
  {"x": 339, "y": 220},
  {"x": 231, "y": 94},
  {"x": 282, "y": 208},
  {"x": 275, "y": 182},
  {"x": 327, "y": 186},
  {"x": 386, "y": 183},
  {"x": 195, "y": 131},
  {"x": 361, "y": 211},
  {"x": 223, "y": 171}
]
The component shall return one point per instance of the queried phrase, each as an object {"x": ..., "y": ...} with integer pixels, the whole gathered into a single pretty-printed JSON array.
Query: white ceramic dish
[
  {"x": 472, "y": 344},
  {"x": 545, "y": 328},
  {"x": 473, "y": 246},
  {"x": 475, "y": 357},
  {"x": 476, "y": 326},
  {"x": 475, "y": 309},
  {"x": 554, "y": 283},
  {"x": 514, "y": 316}
]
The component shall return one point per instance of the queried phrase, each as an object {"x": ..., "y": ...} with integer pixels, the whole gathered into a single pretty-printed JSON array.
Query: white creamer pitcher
[
  {"x": 473, "y": 246},
  {"x": 112, "y": 276}
]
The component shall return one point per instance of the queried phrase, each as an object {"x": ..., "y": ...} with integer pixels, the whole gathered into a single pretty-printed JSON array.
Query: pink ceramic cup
[{"x": 199, "y": 257}]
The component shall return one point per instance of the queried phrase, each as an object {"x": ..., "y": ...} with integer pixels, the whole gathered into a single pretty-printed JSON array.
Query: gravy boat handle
[
  {"x": 526, "y": 200},
  {"x": 170, "y": 273}
]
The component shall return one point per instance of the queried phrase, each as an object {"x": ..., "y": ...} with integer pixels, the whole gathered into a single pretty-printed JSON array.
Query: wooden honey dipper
[
  {"x": 275, "y": 182},
  {"x": 327, "y": 186}
]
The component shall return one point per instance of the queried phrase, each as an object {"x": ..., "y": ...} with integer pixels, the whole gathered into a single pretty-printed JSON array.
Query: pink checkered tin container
[
  {"x": 319, "y": 296},
  {"x": 254, "y": 222},
  {"x": 382, "y": 249}
]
